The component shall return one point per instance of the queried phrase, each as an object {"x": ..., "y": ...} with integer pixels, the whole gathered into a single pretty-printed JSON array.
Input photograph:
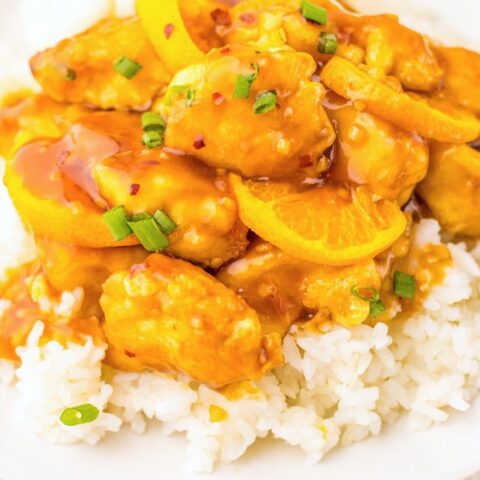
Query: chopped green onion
[
  {"x": 165, "y": 222},
  {"x": 314, "y": 12},
  {"x": 191, "y": 94},
  {"x": 116, "y": 220},
  {"x": 127, "y": 67},
  {"x": 70, "y": 75},
  {"x": 265, "y": 102},
  {"x": 404, "y": 285},
  {"x": 148, "y": 232},
  {"x": 152, "y": 138},
  {"x": 376, "y": 305},
  {"x": 79, "y": 415},
  {"x": 152, "y": 121},
  {"x": 243, "y": 83},
  {"x": 328, "y": 43}
]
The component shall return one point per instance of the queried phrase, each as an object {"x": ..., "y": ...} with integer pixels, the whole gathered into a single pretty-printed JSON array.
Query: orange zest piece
[
  {"x": 165, "y": 27},
  {"x": 331, "y": 225},
  {"x": 414, "y": 115}
]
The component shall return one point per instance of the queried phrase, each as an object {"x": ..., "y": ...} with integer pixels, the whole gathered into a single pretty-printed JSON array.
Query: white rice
[{"x": 336, "y": 388}]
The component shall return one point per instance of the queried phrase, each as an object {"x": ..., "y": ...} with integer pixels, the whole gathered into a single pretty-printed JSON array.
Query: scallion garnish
[
  {"x": 166, "y": 223},
  {"x": 152, "y": 138},
  {"x": 127, "y": 67},
  {"x": 315, "y": 13},
  {"x": 243, "y": 83},
  {"x": 404, "y": 285},
  {"x": 191, "y": 94},
  {"x": 79, "y": 415},
  {"x": 328, "y": 43},
  {"x": 116, "y": 220},
  {"x": 152, "y": 121},
  {"x": 266, "y": 101},
  {"x": 373, "y": 298},
  {"x": 70, "y": 75},
  {"x": 148, "y": 232}
]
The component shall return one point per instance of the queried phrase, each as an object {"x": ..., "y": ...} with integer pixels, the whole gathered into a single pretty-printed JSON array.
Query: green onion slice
[
  {"x": 191, "y": 94},
  {"x": 373, "y": 298},
  {"x": 70, "y": 75},
  {"x": 266, "y": 101},
  {"x": 404, "y": 285},
  {"x": 243, "y": 83},
  {"x": 79, "y": 415},
  {"x": 153, "y": 121},
  {"x": 315, "y": 13},
  {"x": 127, "y": 67},
  {"x": 166, "y": 223},
  {"x": 153, "y": 139},
  {"x": 116, "y": 220},
  {"x": 328, "y": 43},
  {"x": 148, "y": 232}
]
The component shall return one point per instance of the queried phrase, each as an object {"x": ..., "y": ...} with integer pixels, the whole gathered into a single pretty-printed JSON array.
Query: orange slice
[
  {"x": 331, "y": 225},
  {"x": 165, "y": 27},
  {"x": 73, "y": 223},
  {"x": 430, "y": 120}
]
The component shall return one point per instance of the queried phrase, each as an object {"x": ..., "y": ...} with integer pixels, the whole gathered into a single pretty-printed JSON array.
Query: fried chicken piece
[
  {"x": 370, "y": 151},
  {"x": 462, "y": 71},
  {"x": 283, "y": 289},
  {"x": 170, "y": 315},
  {"x": 382, "y": 43},
  {"x": 452, "y": 188},
  {"x": 231, "y": 134},
  {"x": 81, "y": 69},
  {"x": 199, "y": 200}
]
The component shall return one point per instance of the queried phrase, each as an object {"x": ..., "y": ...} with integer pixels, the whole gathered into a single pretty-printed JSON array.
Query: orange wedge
[
  {"x": 428, "y": 119},
  {"x": 165, "y": 27},
  {"x": 72, "y": 223},
  {"x": 330, "y": 225}
]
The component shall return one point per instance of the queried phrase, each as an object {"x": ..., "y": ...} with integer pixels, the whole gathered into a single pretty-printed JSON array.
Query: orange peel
[
  {"x": 71, "y": 223},
  {"x": 408, "y": 113},
  {"x": 330, "y": 225},
  {"x": 165, "y": 27}
]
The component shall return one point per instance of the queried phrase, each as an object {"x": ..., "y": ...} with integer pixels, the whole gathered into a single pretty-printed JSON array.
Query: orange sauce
[
  {"x": 61, "y": 169},
  {"x": 17, "y": 320}
]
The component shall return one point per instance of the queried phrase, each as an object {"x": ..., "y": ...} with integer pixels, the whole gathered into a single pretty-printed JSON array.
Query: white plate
[{"x": 448, "y": 452}]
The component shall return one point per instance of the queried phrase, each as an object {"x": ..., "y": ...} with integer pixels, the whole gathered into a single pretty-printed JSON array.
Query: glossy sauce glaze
[{"x": 283, "y": 212}]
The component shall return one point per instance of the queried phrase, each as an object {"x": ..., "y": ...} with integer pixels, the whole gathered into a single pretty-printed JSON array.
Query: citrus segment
[
  {"x": 331, "y": 225},
  {"x": 165, "y": 27},
  {"x": 72, "y": 223},
  {"x": 427, "y": 118}
]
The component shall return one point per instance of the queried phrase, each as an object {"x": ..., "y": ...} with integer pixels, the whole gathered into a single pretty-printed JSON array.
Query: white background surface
[{"x": 448, "y": 452}]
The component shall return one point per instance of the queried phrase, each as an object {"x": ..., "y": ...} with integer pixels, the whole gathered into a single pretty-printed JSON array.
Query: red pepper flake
[
  {"x": 137, "y": 267},
  {"x": 248, "y": 18},
  {"x": 150, "y": 162},
  {"x": 134, "y": 188},
  {"x": 168, "y": 30},
  {"x": 129, "y": 354},
  {"x": 217, "y": 98},
  {"x": 305, "y": 160},
  {"x": 225, "y": 51},
  {"x": 221, "y": 17},
  {"x": 199, "y": 142}
]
